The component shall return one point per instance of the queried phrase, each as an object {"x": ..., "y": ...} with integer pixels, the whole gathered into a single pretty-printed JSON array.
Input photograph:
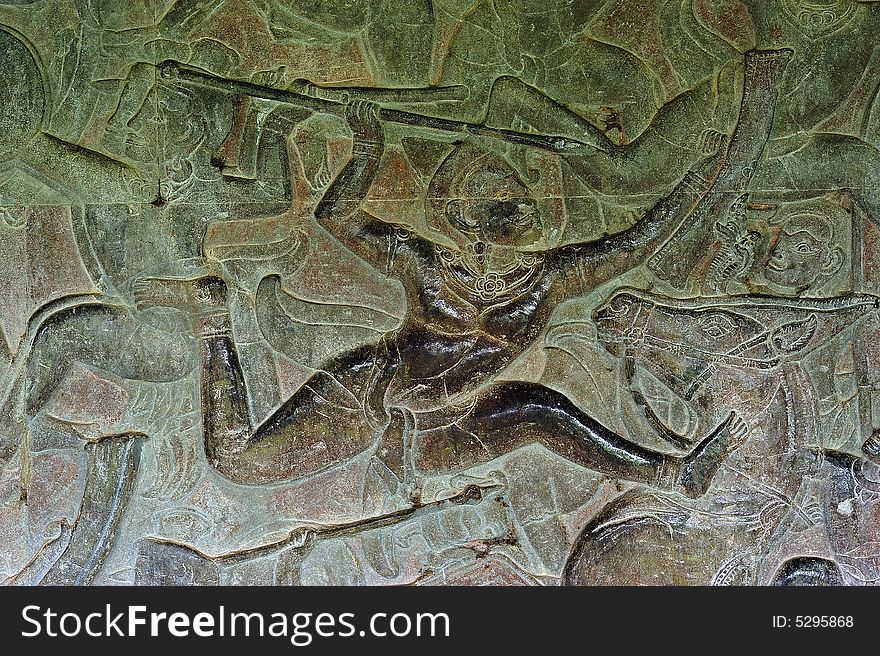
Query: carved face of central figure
[
  {"x": 496, "y": 208},
  {"x": 510, "y": 222}
]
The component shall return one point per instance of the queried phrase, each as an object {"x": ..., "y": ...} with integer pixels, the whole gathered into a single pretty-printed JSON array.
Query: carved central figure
[{"x": 426, "y": 396}]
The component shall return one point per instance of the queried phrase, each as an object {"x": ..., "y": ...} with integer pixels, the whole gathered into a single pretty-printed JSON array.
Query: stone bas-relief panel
[{"x": 444, "y": 292}]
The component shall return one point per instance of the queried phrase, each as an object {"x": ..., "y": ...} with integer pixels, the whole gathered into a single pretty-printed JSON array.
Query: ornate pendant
[
  {"x": 819, "y": 19},
  {"x": 488, "y": 284}
]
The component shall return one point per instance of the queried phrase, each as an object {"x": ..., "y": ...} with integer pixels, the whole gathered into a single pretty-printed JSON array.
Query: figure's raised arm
[
  {"x": 701, "y": 194},
  {"x": 588, "y": 264},
  {"x": 340, "y": 210}
]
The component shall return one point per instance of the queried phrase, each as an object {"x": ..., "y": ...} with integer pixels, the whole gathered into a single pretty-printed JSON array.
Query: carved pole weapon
[
  {"x": 306, "y": 536},
  {"x": 175, "y": 71}
]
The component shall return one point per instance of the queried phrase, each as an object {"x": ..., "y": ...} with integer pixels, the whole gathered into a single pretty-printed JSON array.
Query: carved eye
[
  {"x": 716, "y": 325},
  {"x": 805, "y": 248},
  {"x": 620, "y": 306}
]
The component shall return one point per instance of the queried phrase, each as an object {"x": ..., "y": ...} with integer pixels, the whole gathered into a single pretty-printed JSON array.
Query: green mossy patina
[{"x": 506, "y": 291}]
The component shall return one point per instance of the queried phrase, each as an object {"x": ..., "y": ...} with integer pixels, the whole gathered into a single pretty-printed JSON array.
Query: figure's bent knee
[
  {"x": 508, "y": 86},
  {"x": 531, "y": 398},
  {"x": 85, "y": 333}
]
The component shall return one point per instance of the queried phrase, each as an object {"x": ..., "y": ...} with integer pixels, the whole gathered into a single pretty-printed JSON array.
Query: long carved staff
[{"x": 175, "y": 71}]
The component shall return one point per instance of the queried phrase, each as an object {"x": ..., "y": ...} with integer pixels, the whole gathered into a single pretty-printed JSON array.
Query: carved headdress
[{"x": 471, "y": 172}]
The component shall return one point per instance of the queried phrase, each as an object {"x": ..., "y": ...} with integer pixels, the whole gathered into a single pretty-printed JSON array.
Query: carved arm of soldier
[
  {"x": 586, "y": 265},
  {"x": 339, "y": 211}
]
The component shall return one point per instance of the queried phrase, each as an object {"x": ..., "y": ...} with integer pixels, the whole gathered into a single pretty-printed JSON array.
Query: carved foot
[
  {"x": 699, "y": 467},
  {"x": 871, "y": 447},
  {"x": 197, "y": 295},
  {"x": 709, "y": 141}
]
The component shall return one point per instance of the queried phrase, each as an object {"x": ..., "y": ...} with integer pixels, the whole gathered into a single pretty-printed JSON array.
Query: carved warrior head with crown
[
  {"x": 483, "y": 199},
  {"x": 805, "y": 253}
]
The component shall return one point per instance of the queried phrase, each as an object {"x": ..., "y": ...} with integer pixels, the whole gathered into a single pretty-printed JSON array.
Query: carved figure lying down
[{"x": 686, "y": 363}]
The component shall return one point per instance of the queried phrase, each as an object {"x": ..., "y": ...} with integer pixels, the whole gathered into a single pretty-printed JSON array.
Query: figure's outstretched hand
[{"x": 363, "y": 118}]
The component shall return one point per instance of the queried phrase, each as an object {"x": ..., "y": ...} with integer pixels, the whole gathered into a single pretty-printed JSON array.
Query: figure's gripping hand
[
  {"x": 366, "y": 126},
  {"x": 714, "y": 146}
]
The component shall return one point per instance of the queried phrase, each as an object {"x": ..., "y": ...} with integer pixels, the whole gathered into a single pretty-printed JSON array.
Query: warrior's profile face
[{"x": 804, "y": 252}]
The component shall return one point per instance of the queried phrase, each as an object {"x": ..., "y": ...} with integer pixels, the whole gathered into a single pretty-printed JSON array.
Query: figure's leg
[
  {"x": 675, "y": 131},
  {"x": 102, "y": 337},
  {"x": 514, "y": 414},
  {"x": 108, "y": 338},
  {"x": 321, "y": 425},
  {"x": 113, "y": 465},
  {"x": 797, "y": 168},
  {"x": 644, "y": 540},
  {"x": 389, "y": 486}
]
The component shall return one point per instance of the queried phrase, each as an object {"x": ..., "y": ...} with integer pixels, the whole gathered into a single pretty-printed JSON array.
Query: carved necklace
[
  {"x": 481, "y": 279},
  {"x": 819, "y": 18}
]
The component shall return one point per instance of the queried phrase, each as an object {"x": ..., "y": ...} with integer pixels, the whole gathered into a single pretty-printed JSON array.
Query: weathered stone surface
[{"x": 521, "y": 292}]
